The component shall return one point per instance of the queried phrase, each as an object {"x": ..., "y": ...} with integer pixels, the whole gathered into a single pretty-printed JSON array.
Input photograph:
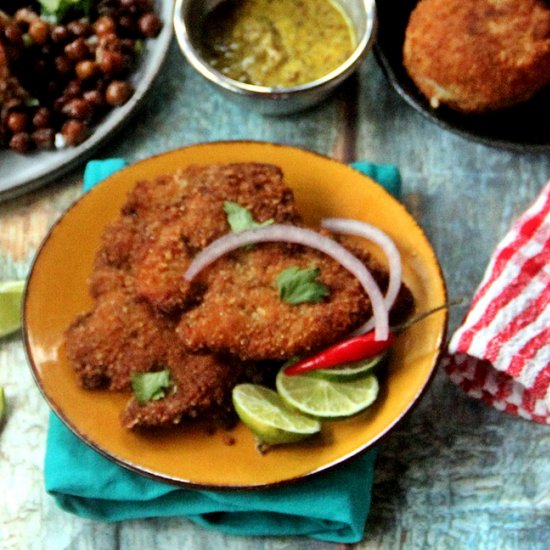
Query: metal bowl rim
[{"x": 330, "y": 79}]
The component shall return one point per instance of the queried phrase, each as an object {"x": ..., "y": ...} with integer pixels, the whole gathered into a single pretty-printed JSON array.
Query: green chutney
[{"x": 277, "y": 43}]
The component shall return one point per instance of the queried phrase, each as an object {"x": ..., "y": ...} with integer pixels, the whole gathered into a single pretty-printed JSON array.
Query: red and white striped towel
[{"x": 501, "y": 352}]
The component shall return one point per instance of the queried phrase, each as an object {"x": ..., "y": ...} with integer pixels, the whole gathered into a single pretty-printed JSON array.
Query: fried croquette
[
  {"x": 119, "y": 336},
  {"x": 478, "y": 55},
  {"x": 242, "y": 314}
]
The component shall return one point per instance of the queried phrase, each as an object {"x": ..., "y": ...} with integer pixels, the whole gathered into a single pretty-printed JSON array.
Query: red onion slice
[
  {"x": 306, "y": 237},
  {"x": 377, "y": 236}
]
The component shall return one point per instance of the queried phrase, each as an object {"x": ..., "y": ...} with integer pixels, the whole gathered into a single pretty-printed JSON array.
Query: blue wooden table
[{"x": 455, "y": 474}]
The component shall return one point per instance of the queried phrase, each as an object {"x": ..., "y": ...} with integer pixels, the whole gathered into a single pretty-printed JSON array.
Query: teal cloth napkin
[{"x": 333, "y": 506}]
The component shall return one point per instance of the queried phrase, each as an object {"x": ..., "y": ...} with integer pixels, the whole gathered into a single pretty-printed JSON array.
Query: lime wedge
[
  {"x": 11, "y": 293},
  {"x": 350, "y": 371},
  {"x": 264, "y": 412},
  {"x": 2, "y": 405},
  {"x": 327, "y": 399}
]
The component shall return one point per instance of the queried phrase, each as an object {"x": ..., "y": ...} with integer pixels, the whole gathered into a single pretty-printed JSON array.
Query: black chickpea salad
[{"x": 64, "y": 64}]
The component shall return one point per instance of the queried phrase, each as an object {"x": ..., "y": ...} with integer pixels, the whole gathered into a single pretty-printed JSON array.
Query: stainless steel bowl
[{"x": 188, "y": 20}]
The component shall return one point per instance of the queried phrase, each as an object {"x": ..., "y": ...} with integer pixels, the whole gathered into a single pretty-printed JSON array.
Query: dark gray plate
[
  {"x": 522, "y": 128},
  {"x": 21, "y": 173}
]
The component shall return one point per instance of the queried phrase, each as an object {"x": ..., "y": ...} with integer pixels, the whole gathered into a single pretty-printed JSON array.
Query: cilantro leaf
[
  {"x": 59, "y": 8},
  {"x": 150, "y": 386},
  {"x": 297, "y": 285},
  {"x": 239, "y": 218}
]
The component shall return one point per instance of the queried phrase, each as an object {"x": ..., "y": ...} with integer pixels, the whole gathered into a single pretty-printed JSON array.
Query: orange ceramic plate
[{"x": 57, "y": 292}]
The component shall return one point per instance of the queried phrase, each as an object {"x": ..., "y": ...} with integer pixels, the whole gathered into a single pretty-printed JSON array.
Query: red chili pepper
[
  {"x": 353, "y": 349},
  {"x": 357, "y": 348}
]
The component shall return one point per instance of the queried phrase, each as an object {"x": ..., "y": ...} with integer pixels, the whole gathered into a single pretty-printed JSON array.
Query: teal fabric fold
[
  {"x": 333, "y": 506},
  {"x": 97, "y": 170},
  {"x": 386, "y": 175}
]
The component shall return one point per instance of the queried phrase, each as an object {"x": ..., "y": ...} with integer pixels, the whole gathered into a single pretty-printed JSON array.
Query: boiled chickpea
[
  {"x": 149, "y": 25},
  {"x": 79, "y": 109},
  {"x": 14, "y": 34},
  {"x": 74, "y": 132},
  {"x": 105, "y": 25},
  {"x": 59, "y": 34},
  {"x": 110, "y": 62},
  {"x": 94, "y": 98},
  {"x": 77, "y": 50},
  {"x": 86, "y": 69},
  {"x": 44, "y": 138},
  {"x": 80, "y": 28},
  {"x": 118, "y": 92},
  {"x": 39, "y": 31},
  {"x": 17, "y": 122},
  {"x": 21, "y": 142},
  {"x": 42, "y": 118}
]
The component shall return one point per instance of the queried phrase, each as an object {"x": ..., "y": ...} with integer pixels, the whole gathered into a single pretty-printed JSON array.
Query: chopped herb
[
  {"x": 59, "y": 8},
  {"x": 31, "y": 102},
  {"x": 240, "y": 218},
  {"x": 297, "y": 285},
  {"x": 150, "y": 386}
]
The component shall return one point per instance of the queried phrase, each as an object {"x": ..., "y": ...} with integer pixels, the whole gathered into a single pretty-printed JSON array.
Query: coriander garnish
[{"x": 297, "y": 285}]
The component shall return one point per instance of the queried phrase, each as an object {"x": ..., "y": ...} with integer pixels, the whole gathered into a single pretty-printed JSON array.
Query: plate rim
[{"x": 228, "y": 487}]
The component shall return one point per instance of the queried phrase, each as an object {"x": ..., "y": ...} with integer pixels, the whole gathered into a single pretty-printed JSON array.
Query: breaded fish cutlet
[
  {"x": 118, "y": 337},
  {"x": 113, "y": 263},
  {"x": 199, "y": 384},
  {"x": 167, "y": 221},
  {"x": 211, "y": 333},
  {"x": 478, "y": 55},
  {"x": 241, "y": 312}
]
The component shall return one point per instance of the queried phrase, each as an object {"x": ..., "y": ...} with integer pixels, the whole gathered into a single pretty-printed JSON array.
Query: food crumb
[
  {"x": 211, "y": 430},
  {"x": 228, "y": 440}
]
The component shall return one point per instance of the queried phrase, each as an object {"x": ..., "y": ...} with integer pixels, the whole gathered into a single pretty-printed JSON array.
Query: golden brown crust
[
  {"x": 242, "y": 314},
  {"x": 117, "y": 337},
  {"x": 230, "y": 318},
  {"x": 199, "y": 384},
  {"x": 138, "y": 289},
  {"x": 478, "y": 55},
  {"x": 167, "y": 220}
]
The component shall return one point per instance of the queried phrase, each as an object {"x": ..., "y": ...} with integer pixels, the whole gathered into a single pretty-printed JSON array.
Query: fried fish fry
[
  {"x": 117, "y": 337},
  {"x": 185, "y": 213},
  {"x": 241, "y": 312},
  {"x": 201, "y": 388},
  {"x": 113, "y": 263}
]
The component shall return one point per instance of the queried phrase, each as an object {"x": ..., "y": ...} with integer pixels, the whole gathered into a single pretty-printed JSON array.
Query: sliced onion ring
[
  {"x": 377, "y": 236},
  {"x": 306, "y": 237}
]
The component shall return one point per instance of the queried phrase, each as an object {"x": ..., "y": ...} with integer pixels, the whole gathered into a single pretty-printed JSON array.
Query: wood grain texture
[{"x": 455, "y": 474}]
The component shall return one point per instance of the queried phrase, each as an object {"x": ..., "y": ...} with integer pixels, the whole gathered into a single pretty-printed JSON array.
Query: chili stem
[{"x": 405, "y": 325}]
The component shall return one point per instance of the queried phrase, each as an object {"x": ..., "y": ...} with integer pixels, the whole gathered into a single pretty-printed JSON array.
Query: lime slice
[
  {"x": 329, "y": 399},
  {"x": 11, "y": 293},
  {"x": 350, "y": 371},
  {"x": 264, "y": 412},
  {"x": 2, "y": 405}
]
